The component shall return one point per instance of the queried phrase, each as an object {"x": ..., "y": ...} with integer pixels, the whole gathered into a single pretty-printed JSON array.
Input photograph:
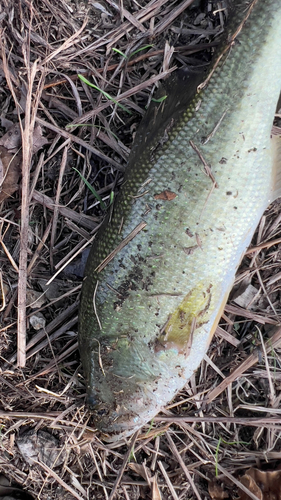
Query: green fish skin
[{"x": 147, "y": 315}]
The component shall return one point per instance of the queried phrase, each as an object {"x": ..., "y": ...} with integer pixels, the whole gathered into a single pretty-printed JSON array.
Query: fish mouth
[
  {"x": 123, "y": 425},
  {"x": 118, "y": 421},
  {"x": 121, "y": 405}
]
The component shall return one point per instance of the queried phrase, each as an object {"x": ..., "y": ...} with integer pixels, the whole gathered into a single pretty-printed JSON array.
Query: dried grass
[{"x": 227, "y": 418}]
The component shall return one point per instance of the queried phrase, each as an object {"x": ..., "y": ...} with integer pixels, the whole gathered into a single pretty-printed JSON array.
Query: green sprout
[
  {"x": 216, "y": 456},
  {"x": 105, "y": 94},
  {"x": 132, "y": 456},
  {"x": 119, "y": 52},
  {"x": 93, "y": 191},
  {"x": 161, "y": 99},
  {"x": 133, "y": 53}
]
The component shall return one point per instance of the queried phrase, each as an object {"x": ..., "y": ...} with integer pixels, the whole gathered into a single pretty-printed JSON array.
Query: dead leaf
[
  {"x": 51, "y": 291},
  {"x": 35, "y": 299},
  {"x": 9, "y": 172},
  {"x": 266, "y": 485},
  {"x": 156, "y": 495},
  {"x": 38, "y": 140},
  {"x": 165, "y": 195},
  {"x": 12, "y": 139},
  {"x": 10, "y": 158},
  {"x": 216, "y": 491},
  {"x": 5, "y": 123},
  {"x": 144, "y": 472},
  {"x": 248, "y": 298},
  {"x": 141, "y": 470},
  {"x": 40, "y": 445}
]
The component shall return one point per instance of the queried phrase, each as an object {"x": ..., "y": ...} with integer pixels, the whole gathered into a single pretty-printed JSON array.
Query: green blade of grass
[
  {"x": 140, "y": 49},
  {"x": 93, "y": 191},
  {"x": 133, "y": 53},
  {"x": 132, "y": 456},
  {"x": 111, "y": 198},
  {"x": 108, "y": 96},
  {"x": 216, "y": 456},
  {"x": 161, "y": 99},
  {"x": 99, "y": 127},
  {"x": 119, "y": 52}
]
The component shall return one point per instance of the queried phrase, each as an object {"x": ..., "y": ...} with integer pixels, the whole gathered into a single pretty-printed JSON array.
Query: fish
[{"x": 201, "y": 173}]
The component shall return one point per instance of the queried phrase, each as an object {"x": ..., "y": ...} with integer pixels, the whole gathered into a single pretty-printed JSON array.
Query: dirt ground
[{"x": 48, "y": 218}]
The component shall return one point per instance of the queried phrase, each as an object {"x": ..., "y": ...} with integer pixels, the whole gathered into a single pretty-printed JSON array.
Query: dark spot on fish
[
  {"x": 189, "y": 233},
  {"x": 235, "y": 208},
  {"x": 229, "y": 193},
  {"x": 139, "y": 247},
  {"x": 182, "y": 318},
  {"x": 165, "y": 195},
  {"x": 148, "y": 209},
  {"x": 131, "y": 283},
  {"x": 102, "y": 412},
  {"x": 190, "y": 250},
  {"x": 223, "y": 161},
  {"x": 92, "y": 401},
  {"x": 158, "y": 346}
]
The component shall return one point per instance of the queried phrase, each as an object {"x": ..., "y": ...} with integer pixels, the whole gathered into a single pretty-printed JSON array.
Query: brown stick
[
  {"x": 121, "y": 245},
  {"x": 267, "y": 244},
  {"x": 26, "y": 159},
  {"x": 251, "y": 421},
  {"x": 121, "y": 470},
  {"x": 271, "y": 344},
  {"x": 178, "y": 456},
  {"x": 56, "y": 206},
  {"x": 76, "y": 139}
]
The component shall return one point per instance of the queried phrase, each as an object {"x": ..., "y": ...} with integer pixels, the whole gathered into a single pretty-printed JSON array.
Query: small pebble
[{"x": 37, "y": 321}]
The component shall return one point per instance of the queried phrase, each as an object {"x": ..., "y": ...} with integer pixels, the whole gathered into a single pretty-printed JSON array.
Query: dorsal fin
[{"x": 168, "y": 104}]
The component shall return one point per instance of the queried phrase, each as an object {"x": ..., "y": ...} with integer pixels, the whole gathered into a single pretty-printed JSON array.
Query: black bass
[{"x": 160, "y": 272}]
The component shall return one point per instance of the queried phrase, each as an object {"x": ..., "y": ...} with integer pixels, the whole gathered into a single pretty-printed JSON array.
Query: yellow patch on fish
[{"x": 191, "y": 313}]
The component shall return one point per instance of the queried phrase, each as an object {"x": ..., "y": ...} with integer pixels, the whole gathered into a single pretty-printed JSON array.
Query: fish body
[{"x": 192, "y": 198}]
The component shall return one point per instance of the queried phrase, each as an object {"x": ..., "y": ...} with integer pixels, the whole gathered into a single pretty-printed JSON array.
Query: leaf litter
[{"x": 226, "y": 422}]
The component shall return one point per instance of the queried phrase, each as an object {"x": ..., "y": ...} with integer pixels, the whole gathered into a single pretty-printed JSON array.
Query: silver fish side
[{"x": 195, "y": 191}]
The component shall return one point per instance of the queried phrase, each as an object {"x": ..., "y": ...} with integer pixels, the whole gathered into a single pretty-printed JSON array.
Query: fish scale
[{"x": 147, "y": 318}]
